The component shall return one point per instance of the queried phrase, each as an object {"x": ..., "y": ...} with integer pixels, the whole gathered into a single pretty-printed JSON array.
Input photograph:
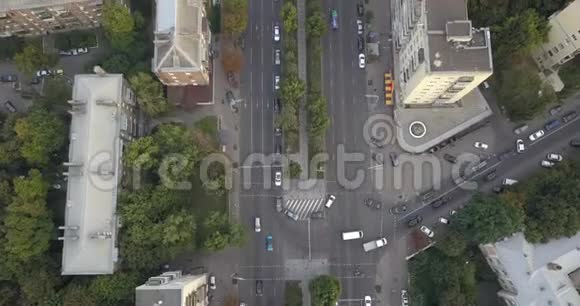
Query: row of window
[{"x": 559, "y": 47}]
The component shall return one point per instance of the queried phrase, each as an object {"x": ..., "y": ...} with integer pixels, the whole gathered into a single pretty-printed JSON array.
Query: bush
[
  {"x": 295, "y": 169},
  {"x": 324, "y": 290}
]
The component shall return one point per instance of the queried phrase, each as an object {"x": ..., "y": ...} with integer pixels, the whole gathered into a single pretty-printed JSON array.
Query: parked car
[
  {"x": 257, "y": 225},
  {"x": 279, "y": 205},
  {"x": 269, "y": 243},
  {"x": 427, "y": 231},
  {"x": 569, "y": 117},
  {"x": 426, "y": 195},
  {"x": 440, "y": 202},
  {"x": 373, "y": 203},
  {"x": 552, "y": 124},
  {"x": 575, "y": 143},
  {"x": 368, "y": 300},
  {"x": 82, "y": 50},
  {"x": 290, "y": 214},
  {"x": 34, "y": 80},
  {"x": 555, "y": 110},
  {"x": 554, "y": 157},
  {"x": 43, "y": 73},
  {"x": 8, "y": 78},
  {"x": 547, "y": 164},
  {"x": 230, "y": 97},
  {"x": 10, "y": 107},
  {"x": 277, "y": 57},
  {"x": 520, "y": 129},
  {"x": 535, "y": 136},
  {"x": 450, "y": 158},
  {"x": 520, "y": 148},
  {"x": 360, "y": 10},
  {"x": 317, "y": 215},
  {"x": 276, "y": 33},
  {"x": 359, "y": 27},
  {"x": 360, "y": 44},
  {"x": 361, "y": 61},
  {"x": 276, "y": 82},
  {"x": 278, "y": 178},
  {"x": 481, "y": 145},
  {"x": 398, "y": 209},
  {"x": 404, "y": 298},
  {"x": 415, "y": 221},
  {"x": 259, "y": 288},
  {"x": 277, "y": 105},
  {"x": 212, "y": 283},
  {"x": 443, "y": 220},
  {"x": 491, "y": 176},
  {"x": 329, "y": 201}
]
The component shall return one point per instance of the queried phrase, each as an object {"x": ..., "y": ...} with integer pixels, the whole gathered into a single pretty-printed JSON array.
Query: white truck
[{"x": 375, "y": 244}]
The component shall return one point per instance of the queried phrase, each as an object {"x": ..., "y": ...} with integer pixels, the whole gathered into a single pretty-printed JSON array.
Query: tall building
[
  {"x": 173, "y": 289},
  {"x": 102, "y": 122},
  {"x": 563, "y": 39},
  {"x": 536, "y": 274},
  {"x": 182, "y": 38},
  {"x": 38, "y": 17},
  {"x": 439, "y": 55}
]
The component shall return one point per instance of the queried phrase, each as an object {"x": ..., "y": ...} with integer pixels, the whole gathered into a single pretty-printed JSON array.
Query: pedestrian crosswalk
[{"x": 304, "y": 207}]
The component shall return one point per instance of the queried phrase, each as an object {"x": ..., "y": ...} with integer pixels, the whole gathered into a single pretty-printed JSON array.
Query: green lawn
[{"x": 206, "y": 133}]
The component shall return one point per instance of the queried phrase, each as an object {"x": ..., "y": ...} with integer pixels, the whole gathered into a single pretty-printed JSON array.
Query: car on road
[
  {"x": 10, "y": 107},
  {"x": 278, "y": 149},
  {"x": 269, "y": 243},
  {"x": 276, "y": 82},
  {"x": 491, "y": 176},
  {"x": 359, "y": 27},
  {"x": 276, "y": 33},
  {"x": 360, "y": 44},
  {"x": 278, "y": 131},
  {"x": 290, "y": 214},
  {"x": 259, "y": 288},
  {"x": 414, "y": 221},
  {"x": 509, "y": 182},
  {"x": 5, "y": 78},
  {"x": 279, "y": 205},
  {"x": 398, "y": 209},
  {"x": 278, "y": 178},
  {"x": 569, "y": 117},
  {"x": 427, "y": 231},
  {"x": 378, "y": 158},
  {"x": 440, "y": 202},
  {"x": 453, "y": 212},
  {"x": 552, "y": 124},
  {"x": 520, "y": 148},
  {"x": 257, "y": 225},
  {"x": 481, "y": 145},
  {"x": 555, "y": 110},
  {"x": 368, "y": 300},
  {"x": 317, "y": 215},
  {"x": 547, "y": 164},
  {"x": 450, "y": 158},
  {"x": 404, "y": 298},
  {"x": 575, "y": 143},
  {"x": 360, "y": 9},
  {"x": 277, "y": 57},
  {"x": 212, "y": 283},
  {"x": 554, "y": 157},
  {"x": 334, "y": 19},
  {"x": 42, "y": 73},
  {"x": 535, "y": 136},
  {"x": 352, "y": 235},
  {"x": 443, "y": 220},
  {"x": 372, "y": 203},
  {"x": 394, "y": 159},
  {"x": 361, "y": 61},
  {"x": 389, "y": 87},
  {"x": 520, "y": 129},
  {"x": 277, "y": 105},
  {"x": 329, "y": 200}
]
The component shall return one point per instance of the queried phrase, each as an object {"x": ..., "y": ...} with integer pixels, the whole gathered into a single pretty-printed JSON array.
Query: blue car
[{"x": 269, "y": 245}]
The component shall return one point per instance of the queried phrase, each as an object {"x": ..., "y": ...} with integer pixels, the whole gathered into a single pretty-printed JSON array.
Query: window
[
  {"x": 574, "y": 37},
  {"x": 550, "y": 52},
  {"x": 465, "y": 79}
]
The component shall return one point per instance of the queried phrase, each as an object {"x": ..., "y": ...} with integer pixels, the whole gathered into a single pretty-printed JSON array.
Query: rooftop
[
  {"x": 8, "y": 5},
  {"x": 173, "y": 289},
  {"x": 94, "y": 173}
]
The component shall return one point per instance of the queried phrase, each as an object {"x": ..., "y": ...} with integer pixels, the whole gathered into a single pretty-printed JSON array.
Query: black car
[
  {"x": 554, "y": 110},
  {"x": 552, "y": 124},
  {"x": 259, "y": 288},
  {"x": 401, "y": 208},
  {"x": 373, "y": 203},
  {"x": 440, "y": 202},
  {"x": 317, "y": 215},
  {"x": 360, "y": 44},
  {"x": 575, "y": 143},
  {"x": 278, "y": 131},
  {"x": 278, "y": 149},
  {"x": 490, "y": 176},
  {"x": 450, "y": 158},
  {"x": 569, "y": 116},
  {"x": 415, "y": 221},
  {"x": 8, "y": 78},
  {"x": 279, "y": 204},
  {"x": 34, "y": 81},
  {"x": 360, "y": 10},
  {"x": 277, "y": 105}
]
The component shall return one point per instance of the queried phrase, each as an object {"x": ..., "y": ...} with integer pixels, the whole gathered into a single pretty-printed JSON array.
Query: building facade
[
  {"x": 36, "y": 17},
  {"x": 103, "y": 121},
  {"x": 173, "y": 289},
  {"x": 536, "y": 274},
  {"x": 182, "y": 39},
  {"x": 563, "y": 39},
  {"x": 439, "y": 55}
]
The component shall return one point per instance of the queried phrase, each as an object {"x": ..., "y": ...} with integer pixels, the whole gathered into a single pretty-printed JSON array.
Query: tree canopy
[
  {"x": 324, "y": 290},
  {"x": 289, "y": 15},
  {"x": 149, "y": 93},
  {"x": 40, "y": 134},
  {"x": 119, "y": 25},
  {"x": 31, "y": 59},
  {"x": 235, "y": 16},
  {"x": 220, "y": 233}
]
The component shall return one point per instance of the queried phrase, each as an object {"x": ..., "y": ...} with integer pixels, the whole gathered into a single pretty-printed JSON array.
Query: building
[
  {"x": 102, "y": 122},
  {"x": 439, "y": 55},
  {"x": 173, "y": 289},
  {"x": 536, "y": 274},
  {"x": 182, "y": 38},
  {"x": 38, "y": 17}
]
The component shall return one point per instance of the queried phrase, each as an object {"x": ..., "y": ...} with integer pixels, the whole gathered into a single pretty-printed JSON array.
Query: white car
[
  {"x": 368, "y": 300},
  {"x": 554, "y": 157},
  {"x": 212, "y": 284},
  {"x": 536, "y": 135},
  {"x": 520, "y": 146},
  {"x": 547, "y": 164},
  {"x": 83, "y": 50},
  {"x": 361, "y": 61},
  {"x": 443, "y": 220},
  {"x": 404, "y": 298},
  {"x": 276, "y": 82},
  {"x": 42, "y": 73},
  {"x": 278, "y": 178},
  {"x": 257, "y": 225},
  {"x": 277, "y": 57},
  {"x": 427, "y": 231},
  {"x": 359, "y": 27},
  {"x": 481, "y": 145},
  {"x": 276, "y": 33}
]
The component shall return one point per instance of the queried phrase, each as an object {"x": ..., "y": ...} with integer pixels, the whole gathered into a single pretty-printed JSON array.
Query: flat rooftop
[
  {"x": 94, "y": 174},
  {"x": 9, "y": 5}
]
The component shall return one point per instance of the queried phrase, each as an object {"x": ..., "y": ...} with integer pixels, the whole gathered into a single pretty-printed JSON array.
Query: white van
[
  {"x": 508, "y": 182},
  {"x": 352, "y": 235},
  {"x": 329, "y": 201}
]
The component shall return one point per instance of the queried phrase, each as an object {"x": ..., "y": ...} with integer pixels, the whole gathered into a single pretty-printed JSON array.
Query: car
[
  {"x": 34, "y": 80},
  {"x": 372, "y": 203},
  {"x": 414, "y": 221},
  {"x": 535, "y": 136},
  {"x": 259, "y": 288},
  {"x": 427, "y": 231},
  {"x": 276, "y": 82},
  {"x": 212, "y": 283},
  {"x": 491, "y": 176},
  {"x": 317, "y": 215},
  {"x": 398, "y": 209},
  {"x": 368, "y": 300},
  {"x": 378, "y": 157},
  {"x": 520, "y": 148},
  {"x": 276, "y": 33},
  {"x": 404, "y": 298},
  {"x": 554, "y": 157},
  {"x": 278, "y": 149},
  {"x": 329, "y": 201},
  {"x": 269, "y": 243},
  {"x": 65, "y": 52},
  {"x": 8, "y": 78},
  {"x": 277, "y": 105},
  {"x": 552, "y": 124},
  {"x": 290, "y": 214},
  {"x": 278, "y": 178},
  {"x": 42, "y": 73},
  {"x": 82, "y": 50},
  {"x": 569, "y": 117},
  {"x": 547, "y": 164},
  {"x": 453, "y": 212},
  {"x": 359, "y": 27},
  {"x": 481, "y": 145},
  {"x": 520, "y": 129},
  {"x": 57, "y": 72},
  {"x": 440, "y": 202},
  {"x": 334, "y": 19},
  {"x": 361, "y": 61},
  {"x": 360, "y": 9},
  {"x": 277, "y": 57},
  {"x": 394, "y": 159},
  {"x": 360, "y": 44},
  {"x": 575, "y": 143},
  {"x": 278, "y": 131},
  {"x": 555, "y": 110},
  {"x": 450, "y": 158},
  {"x": 279, "y": 204},
  {"x": 10, "y": 107},
  {"x": 242, "y": 303},
  {"x": 443, "y": 220},
  {"x": 257, "y": 225}
]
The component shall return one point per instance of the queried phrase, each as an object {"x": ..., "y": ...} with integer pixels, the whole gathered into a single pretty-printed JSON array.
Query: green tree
[
  {"x": 235, "y": 16},
  {"x": 295, "y": 169},
  {"x": 179, "y": 152},
  {"x": 142, "y": 152},
  {"x": 318, "y": 121},
  {"x": 115, "y": 289},
  {"x": 77, "y": 294},
  {"x": 56, "y": 95},
  {"x": 40, "y": 134},
  {"x": 117, "y": 63},
  {"x": 487, "y": 219},
  {"x": 37, "y": 283},
  {"x": 119, "y": 25},
  {"x": 315, "y": 25},
  {"x": 221, "y": 233},
  {"x": 324, "y": 290},
  {"x": 31, "y": 58},
  {"x": 149, "y": 93},
  {"x": 292, "y": 89},
  {"x": 289, "y": 15},
  {"x": 452, "y": 244}
]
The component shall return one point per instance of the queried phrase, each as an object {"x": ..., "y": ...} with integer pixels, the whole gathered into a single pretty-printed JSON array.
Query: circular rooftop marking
[{"x": 417, "y": 129}]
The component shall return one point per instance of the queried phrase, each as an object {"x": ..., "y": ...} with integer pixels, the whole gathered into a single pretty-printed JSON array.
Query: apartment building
[
  {"x": 536, "y": 274},
  {"x": 39, "y": 17},
  {"x": 182, "y": 38},
  {"x": 102, "y": 121},
  {"x": 439, "y": 55},
  {"x": 173, "y": 289},
  {"x": 563, "y": 39}
]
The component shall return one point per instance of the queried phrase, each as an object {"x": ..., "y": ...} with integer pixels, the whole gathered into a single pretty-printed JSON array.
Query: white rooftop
[
  {"x": 8, "y": 5},
  {"x": 536, "y": 284},
  {"x": 94, "y": 173}
]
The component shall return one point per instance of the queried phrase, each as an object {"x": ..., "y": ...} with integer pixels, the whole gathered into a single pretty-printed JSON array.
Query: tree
[
  {"x": 117, "y": 63},
  {"x": 119, "y": 25},
  {"x": 451, "y": 244},
  {"x": 179, "y": 151},
  {"x": 318, "y": 121},
  {"x": 487, "y": 219},
  {"x": 78, "y": 294},
  {"x": 56, "y": 95},
  {"x": 149, "y": 93},
  {"x": 235, "y": 18},
  {"x": 37, "y": 283},
  {"x": 40, "y": 134},
  {"x": 324, "y": 290},
  {"x": 221, "y": 233},
  {"x": 232, "y": 58},
  {"x": 292, "y": 89},
  {"x": 115, "y": 289},
  {"x": 31, "y": 58},
  {"x": 315, "y": 25},
  {"x": 142, "y": 152},
  {"x": 289, "y": 15},
  {"x": 295, "y": 169}
]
